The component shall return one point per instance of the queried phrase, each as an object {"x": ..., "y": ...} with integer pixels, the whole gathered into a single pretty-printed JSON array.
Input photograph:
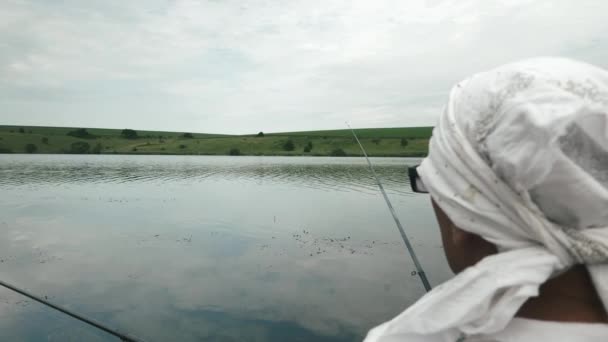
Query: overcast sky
[{"x": 245, "y": 66}]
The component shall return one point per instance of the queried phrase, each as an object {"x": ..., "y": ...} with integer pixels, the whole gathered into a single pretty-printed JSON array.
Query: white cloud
[{"x": 235, "y": 67}]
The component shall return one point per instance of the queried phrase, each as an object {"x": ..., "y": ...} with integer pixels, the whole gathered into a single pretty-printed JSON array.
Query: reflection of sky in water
[{"x": 217, "y": 248}]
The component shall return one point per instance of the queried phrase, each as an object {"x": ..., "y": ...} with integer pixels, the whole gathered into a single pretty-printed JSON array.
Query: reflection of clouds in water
[
  {"x": 199, "y": 263},
  {"x": 251, "y": 283}
]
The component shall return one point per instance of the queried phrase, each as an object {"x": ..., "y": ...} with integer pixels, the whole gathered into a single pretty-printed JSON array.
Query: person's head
[
  {"x": 519, "y": 159},
  {"x": 518, "y": 175}
]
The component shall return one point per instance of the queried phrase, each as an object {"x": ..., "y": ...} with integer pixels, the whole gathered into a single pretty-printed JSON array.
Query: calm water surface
[{"x": 209, "y": 248}]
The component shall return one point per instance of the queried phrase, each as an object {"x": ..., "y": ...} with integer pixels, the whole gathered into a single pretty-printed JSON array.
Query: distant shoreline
[{"x": 378, "y": 142}]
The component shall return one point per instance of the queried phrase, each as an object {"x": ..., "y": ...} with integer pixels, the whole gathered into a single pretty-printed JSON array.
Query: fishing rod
[
  {"x": 122, "y": 336},
  {"x": 410, "y": 249}
]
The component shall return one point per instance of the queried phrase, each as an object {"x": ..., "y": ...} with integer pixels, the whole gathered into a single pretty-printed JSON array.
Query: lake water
[{"x": 190, "y": 248}]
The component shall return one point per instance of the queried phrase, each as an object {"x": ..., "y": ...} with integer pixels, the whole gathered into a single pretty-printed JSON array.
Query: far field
[
  {"x": 397, "y": 132},
  {"x": 402, "y": 142}
]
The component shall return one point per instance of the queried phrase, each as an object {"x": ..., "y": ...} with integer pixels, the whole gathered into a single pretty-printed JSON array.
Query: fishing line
[
  {"x": 122, "y": 336},
  {"x": 410, "y": 249}
]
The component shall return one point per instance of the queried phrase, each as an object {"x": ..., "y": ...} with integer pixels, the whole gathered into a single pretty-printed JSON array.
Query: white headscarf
[{"x": 519, "y": 157}]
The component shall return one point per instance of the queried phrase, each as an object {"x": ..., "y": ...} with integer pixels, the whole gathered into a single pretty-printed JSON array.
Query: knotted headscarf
[{"x": 519, "y": 157}]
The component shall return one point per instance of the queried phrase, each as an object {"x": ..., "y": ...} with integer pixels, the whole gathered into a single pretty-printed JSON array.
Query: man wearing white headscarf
[{"x": 518, "y": 175}]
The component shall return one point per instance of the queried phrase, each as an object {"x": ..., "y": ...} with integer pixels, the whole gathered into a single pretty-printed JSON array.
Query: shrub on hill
[
  {"x": 308, "y": 147},
  {"x": 338, "y": 153},
  {"x": 81, "y": 133},
  {"x": 31, "y": 148},
  {"x": 80, "y": 147},
  {"x": 97, "y": 149},
  {"x": 234, "y": 152},
  {"x": 128, "y": 134},
  {"x": 289, "y": 145}
]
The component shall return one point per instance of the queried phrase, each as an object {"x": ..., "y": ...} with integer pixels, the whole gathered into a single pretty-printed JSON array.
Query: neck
[{"x": 569, "y": 297}]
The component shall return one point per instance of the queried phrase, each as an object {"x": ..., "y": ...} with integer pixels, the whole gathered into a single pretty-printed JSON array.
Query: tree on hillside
[
  {"x": 308, "y": 147},
  {"x": 234, "y": 152},
  {"x": 45, "y": 140},
  {"x": 260, "y": 135},
  {"x": 289, "y": 145},
  {"x": 31, "y": 148},
  {"x": 404, "y": 142},
  {"x": 21, "y": 130},
  {"x": 80, "y": 147},
  {"x": 81, "y": 133},
  {"x": 128, "y": 134},
  {"x": 188, "y": 135},
  {"x": 338, "y": 153},
  {"x": 97, "y": 149}
]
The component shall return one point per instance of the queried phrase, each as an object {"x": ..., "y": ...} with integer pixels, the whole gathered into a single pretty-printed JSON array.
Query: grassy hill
[
  {"x": 396, "y": 132},
  {"x": 406, "y": 141}
]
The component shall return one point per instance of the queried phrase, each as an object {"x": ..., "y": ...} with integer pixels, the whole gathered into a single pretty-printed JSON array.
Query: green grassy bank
[{"x": 403, "y": 142}]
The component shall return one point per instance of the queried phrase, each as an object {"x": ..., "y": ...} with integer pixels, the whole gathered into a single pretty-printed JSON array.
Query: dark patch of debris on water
[{"x": 314, "y": 245}]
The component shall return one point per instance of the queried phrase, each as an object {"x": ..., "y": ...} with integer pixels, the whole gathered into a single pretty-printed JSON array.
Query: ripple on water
[{"x": 341, "y": 174}]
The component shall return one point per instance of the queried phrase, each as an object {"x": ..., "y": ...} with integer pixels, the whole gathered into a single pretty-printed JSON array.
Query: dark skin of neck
[{"x": 569, "y": 297}]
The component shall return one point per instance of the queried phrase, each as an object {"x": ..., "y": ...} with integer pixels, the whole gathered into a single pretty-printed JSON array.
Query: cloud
[{"x": 234, "y": 67}]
